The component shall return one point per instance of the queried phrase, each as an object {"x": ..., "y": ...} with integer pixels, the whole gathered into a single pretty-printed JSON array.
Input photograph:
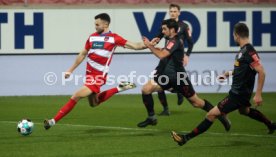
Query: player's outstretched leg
[
  {"x": 105, "y": 95},
  {"x": 65, "y": 109},
  {"x": 207, "y": 106},
  {"x": 222, "y": 118},
  {"x": 181, "y": 139},
  {"x": 62, "y": 112},
  {"x": 163, "y": 100},
  {"x": 259, "y": 116}
]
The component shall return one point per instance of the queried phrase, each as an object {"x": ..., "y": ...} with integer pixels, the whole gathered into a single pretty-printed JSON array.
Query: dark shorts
[
  {"x": 181, "y": 86},
  {"x": 233, "y": 102}
]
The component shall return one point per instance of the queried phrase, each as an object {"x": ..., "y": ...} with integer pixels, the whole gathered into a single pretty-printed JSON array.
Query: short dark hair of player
[
  {"x": 242, "y": 30},
  {"x": 171, "y": 23},
  {"x": 174, "y": 6},
  {"x": 104, "y": 17}
]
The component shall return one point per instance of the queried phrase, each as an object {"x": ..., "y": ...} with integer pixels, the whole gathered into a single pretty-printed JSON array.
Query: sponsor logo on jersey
[
  {"x": 97, "y": 45},
  {"x": 102, "y": 39},
  {"x": 170, "y": 45}
]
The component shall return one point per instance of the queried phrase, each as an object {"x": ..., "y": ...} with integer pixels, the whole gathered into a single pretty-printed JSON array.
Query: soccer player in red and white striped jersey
[{"x": 99, "y": 49}]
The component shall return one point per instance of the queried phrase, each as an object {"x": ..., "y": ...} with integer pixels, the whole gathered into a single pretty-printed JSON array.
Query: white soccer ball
[{"x": 25, "y": 127}]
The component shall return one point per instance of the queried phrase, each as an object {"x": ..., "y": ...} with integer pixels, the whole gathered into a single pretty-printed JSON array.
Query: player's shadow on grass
[
  {"x": 97, "y": 130},
  {"x": 233, "y": 143}
]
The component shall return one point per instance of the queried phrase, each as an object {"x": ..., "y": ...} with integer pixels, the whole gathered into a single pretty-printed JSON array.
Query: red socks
[
  {"x": 103, "y": 96},
  {"x": 65, "y": 109},
  {"x": 71, "y": 103}
]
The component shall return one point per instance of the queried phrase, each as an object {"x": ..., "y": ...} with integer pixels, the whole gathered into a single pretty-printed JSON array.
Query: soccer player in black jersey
[
  {"x": 247, "y": 65},
  {"x": 184, "y": 33},
  {"x": 171, "y": 75}
]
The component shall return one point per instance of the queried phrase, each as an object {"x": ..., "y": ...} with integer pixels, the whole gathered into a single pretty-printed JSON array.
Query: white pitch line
[{"x": 150, "y": 130}]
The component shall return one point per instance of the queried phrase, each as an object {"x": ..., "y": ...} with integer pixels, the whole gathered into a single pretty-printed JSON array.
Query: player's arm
[
  {"x": 225, "y": 75},
  {"x": 135, "y": 46},
  {"x": 189, "y": 39},
  {"x": 260, "y": 83},
  {"x": 160, "y": 53},
  {"x": 81, "y": 56},
  {"x": 228, "y": 73}
]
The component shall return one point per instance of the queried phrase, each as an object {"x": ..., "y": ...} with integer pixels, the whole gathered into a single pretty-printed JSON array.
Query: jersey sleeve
[
  {"x": 172, "y": 45},
  {"x": 253, "y": 59},
  {"x": 87, "y": 45},
  {"x": 119, "y": 41},
  {"x": 187, "y": 37}
]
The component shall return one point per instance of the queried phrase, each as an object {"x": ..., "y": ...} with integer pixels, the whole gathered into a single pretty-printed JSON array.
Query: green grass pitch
[{"x": 109, "y": 130}]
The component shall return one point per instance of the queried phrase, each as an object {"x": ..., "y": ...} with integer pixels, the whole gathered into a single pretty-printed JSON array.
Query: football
[{"x": 25, "y": 127}]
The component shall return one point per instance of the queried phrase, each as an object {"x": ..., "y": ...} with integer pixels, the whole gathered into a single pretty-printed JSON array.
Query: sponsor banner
[{"x": 66, "y": 30}]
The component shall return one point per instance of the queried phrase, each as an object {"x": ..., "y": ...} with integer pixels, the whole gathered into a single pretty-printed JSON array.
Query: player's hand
[
  {"x": 67, "y": 74},
  {"x": 185, "y": 60},
  {"x": 221, "y": 78},
  {"x": 146, "y": 41},
  {"x": 155, "y": 41},
  {"x": 258, "y": 99}
]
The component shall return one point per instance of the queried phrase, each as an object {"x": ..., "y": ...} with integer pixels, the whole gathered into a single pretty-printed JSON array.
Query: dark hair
[
  {"x": 104, "y": 17},
  {"x": 174, "y": 6},
  {"x": 171, "y": 23},
  {"x": 242, "y": 30}
]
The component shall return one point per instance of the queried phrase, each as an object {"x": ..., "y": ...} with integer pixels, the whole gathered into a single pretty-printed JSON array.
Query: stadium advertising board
[{"x": 66, "y": 30}]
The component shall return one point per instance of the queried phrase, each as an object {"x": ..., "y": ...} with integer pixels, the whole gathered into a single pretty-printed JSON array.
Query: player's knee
[
  {"x": 211, "y": 116},
  {"x": 195, "y": 103},
  {"x": 146, "y": 90},
  {"x": 75, "y": 97}
]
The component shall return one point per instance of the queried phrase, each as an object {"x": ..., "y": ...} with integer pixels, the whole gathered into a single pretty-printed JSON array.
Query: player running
[
  {"x": 247, "y": 65},
  {"x": 171, "y": 75},
  {"x": 99, "y": 49},
  {"x": 185, "y": 34}
]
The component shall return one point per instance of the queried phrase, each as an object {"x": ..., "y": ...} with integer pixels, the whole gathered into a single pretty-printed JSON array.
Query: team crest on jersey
[
  {"x": 170, "y": 45},
  {"x": 106, "y": 38}
]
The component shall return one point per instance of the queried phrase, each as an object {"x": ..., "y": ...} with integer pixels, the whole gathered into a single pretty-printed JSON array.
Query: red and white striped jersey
[{"x": 100, "y": 49}]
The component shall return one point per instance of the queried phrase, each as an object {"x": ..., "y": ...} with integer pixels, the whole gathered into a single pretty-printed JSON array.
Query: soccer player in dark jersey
[
  {"x": 184, "y": 33},
  {"x": 170, "y": 74},
  {"x": 247, "y": 65}
]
